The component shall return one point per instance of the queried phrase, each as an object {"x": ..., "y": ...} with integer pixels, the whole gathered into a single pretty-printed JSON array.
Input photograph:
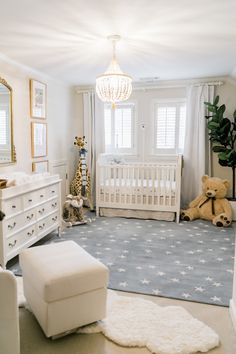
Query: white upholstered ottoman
[{"x": 64, "y": 286}]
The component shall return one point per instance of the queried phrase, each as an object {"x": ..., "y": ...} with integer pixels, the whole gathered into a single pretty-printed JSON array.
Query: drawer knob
[
  {"x": 29, "y": 217},
  {"x": 11, "y": 245},
  {"x": 54, "y": 205},
  {"x": 53, "y": 191},
  {"x": 30, "y": 200},
  {"x": 30, "y": 233},
  {"x": 41, "y": 211},
  {"x": 41, "y": 226},
  {"x": 54, "y": 219},
  {"x": 41, "y": 195},
  {"x": 10, "y": 227},
  {"x": 13, "y": 206}
]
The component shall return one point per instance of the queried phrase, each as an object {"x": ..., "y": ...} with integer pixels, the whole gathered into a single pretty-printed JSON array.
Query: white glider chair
[{"x": 9, "y": 314}]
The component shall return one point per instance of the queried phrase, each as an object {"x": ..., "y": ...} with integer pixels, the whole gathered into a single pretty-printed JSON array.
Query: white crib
[{"x": 150, "y": 186}]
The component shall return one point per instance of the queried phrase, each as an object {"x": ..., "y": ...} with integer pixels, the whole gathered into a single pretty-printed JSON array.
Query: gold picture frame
[
  {"x": 38, "y": 99},
  {"x": 39, "y": 146},
  {"x": 40, "y": 166}
]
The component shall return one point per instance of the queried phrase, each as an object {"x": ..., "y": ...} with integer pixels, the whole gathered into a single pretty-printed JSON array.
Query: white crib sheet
[{"x": 162, "y": 187}]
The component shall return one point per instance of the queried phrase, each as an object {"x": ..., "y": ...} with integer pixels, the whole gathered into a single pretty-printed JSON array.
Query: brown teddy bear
[{"x": 211, "y": 204}]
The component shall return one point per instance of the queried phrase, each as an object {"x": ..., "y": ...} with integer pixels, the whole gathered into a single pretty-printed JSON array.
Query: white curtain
[
  {"x": 197, "y": 157},
  {"x": 94, "y": 134}
]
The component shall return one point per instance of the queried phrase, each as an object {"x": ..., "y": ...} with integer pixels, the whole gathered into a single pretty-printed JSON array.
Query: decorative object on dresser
[
  {"x": 80, "y": 186},
  {"x": 148, "y": 186},
  {"x": 38, "y": 93},
  {"x": 32, "y": 211},
  {"x": 39, "y": 139}
]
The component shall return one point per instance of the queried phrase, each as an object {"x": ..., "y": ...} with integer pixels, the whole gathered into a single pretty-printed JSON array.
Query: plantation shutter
[
  {"x": 107, "y": 125},
  {"x": 123, "y": 128},
  {"x": 170, "y": 119},
  {"x": 165, "y": 127},
  {"x": 119, "y": 128}
]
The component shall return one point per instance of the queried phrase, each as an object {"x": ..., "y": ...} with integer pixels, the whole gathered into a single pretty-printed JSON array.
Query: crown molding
[{"x": 31, "y": 71}]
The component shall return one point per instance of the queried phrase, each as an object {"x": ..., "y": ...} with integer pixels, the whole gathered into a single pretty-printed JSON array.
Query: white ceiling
[{"x": 171, "y": 39}]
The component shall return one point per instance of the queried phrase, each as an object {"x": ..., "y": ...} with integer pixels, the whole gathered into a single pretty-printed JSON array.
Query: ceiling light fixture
[{"x": 114, "y": 86}]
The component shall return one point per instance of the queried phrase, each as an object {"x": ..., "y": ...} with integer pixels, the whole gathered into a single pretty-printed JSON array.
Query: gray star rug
[{"x": 190, "y": 260}]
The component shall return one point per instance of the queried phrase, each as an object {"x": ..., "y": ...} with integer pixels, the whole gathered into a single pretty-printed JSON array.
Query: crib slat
[{"x": 153, "y": 186}]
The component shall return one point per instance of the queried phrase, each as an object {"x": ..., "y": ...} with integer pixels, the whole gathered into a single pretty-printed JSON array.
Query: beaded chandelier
[{"x": 114, "y": 86}]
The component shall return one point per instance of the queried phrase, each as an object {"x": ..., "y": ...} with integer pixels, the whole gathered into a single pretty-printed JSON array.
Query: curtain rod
[
  {"x": 144, "y": 88},
  {"x": 213, "y": 83}
]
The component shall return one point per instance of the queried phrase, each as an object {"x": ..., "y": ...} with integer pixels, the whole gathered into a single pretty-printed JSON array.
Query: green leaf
[
  {"x": 221, "y": 111},
  {"x": 211, "y": 109},
  {"x": 223, "y": 156},
  {"x": 213, "y": 125},
  {"x": 235, "y": 116},
  {"x": 216, "y": 101},
  {"x": 225, "y": 126},
  {"x": 223, "y": 162},
  {"x": 218, "y": 148},
  {"x": 208, "y": 103}
]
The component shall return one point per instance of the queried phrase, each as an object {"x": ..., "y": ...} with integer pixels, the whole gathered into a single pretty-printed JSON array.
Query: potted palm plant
[{"x": 222, "y": 134}]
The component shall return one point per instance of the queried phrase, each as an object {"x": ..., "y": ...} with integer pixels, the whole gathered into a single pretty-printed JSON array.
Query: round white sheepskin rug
[{"x": 135, "y": 322}]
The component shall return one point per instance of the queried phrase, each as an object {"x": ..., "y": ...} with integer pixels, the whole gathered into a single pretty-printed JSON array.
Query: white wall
[
  {"x": 61, "y": 117},
  {"x": 143, "y": 104}
]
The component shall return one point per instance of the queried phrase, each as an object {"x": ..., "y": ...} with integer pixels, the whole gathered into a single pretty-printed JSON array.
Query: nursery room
[{"x": 117, "y": 177}]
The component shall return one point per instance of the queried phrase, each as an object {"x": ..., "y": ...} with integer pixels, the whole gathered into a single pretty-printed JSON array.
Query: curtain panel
[
  {"x": 94, "y": 135},
  {"x": 197, "y": 154}
]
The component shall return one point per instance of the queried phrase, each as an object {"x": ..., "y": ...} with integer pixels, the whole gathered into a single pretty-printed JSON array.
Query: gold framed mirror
[{"x": 7, "y": 149}]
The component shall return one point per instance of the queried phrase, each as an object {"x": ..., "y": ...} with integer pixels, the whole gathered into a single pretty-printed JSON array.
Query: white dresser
[{"x": 32, "y": 211}]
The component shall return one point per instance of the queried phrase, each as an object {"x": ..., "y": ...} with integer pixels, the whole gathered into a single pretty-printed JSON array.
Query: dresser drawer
[
  {"x": 12, "y": 225},
  {"x": 29, "y": 216},
  {"x": 30, "y": 199},
  {"x": 53, "y": 205},
  {"x": 19, "y": 239},
  {"x": 41, "y": 195},
  {"x": 47, "y": 222},
  {"x": 47, "y": 208},
  {"x": 12, "y": 206},
  {"x": 52, "y": 191}
]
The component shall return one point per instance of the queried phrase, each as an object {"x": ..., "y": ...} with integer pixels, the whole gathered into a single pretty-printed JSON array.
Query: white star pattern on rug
[
  {"x": 162, "y": 258},
  {"x": 199, "y": 289}
]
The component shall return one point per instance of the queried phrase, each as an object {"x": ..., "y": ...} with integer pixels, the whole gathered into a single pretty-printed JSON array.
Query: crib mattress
[{"x": 137, "y": 185}]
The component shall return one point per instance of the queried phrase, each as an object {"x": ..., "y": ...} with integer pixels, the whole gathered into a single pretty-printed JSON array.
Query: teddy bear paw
[
  {"x": 184, "y": 215},
  {"x": 221, "y": 220}
]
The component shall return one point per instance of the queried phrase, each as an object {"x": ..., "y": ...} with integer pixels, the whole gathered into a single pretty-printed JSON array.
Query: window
[
  {"x": 169, "y": 126},
  {"x": 119, "y": 128},
  {"x": 4, "y": 129}
]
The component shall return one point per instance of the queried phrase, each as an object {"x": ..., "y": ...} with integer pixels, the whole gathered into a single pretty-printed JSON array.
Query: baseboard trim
[{"x": 232, "y": 311}]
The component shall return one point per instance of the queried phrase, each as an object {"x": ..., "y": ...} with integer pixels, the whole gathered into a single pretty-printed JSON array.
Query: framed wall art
[
  {"x": 40, "y": 166},
  {"x": 39, "y": 139},
  {"x": 38, "y": 93}
]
